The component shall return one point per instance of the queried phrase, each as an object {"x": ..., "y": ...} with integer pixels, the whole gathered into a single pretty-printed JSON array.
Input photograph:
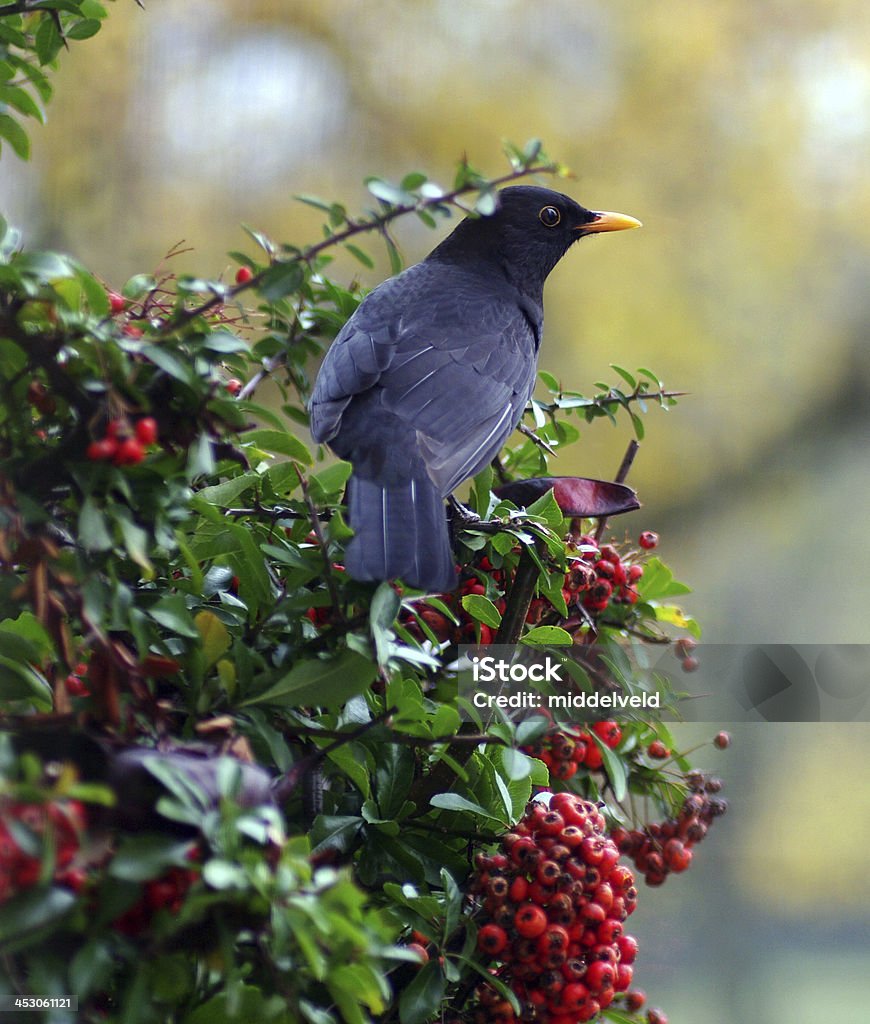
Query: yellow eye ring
[{"x": 549, "y": 216}]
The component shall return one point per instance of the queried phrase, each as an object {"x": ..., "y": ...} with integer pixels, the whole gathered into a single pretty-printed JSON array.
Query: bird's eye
[{"x": 550, "y": 216}]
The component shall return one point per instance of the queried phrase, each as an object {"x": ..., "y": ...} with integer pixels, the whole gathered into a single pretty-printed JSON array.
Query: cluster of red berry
[
  {"x": 20, "y": 868},
  {"x": 167, "y": 892},
  {"x": 596, "y": 577},
  {"x": 564, "y": 750},
  {"x": 123, "y": 445},
  {"x": 664, "y": 847},
  {"x": 553, "y": 905},
  {"x": 76, "y": 682}
]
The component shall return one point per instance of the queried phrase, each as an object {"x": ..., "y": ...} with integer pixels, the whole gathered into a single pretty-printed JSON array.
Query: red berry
[
  {"x": 491, "y": 939},
  {"x": 234, "y": 385},
  {"x": 608, "y": 732},
  {"x": 627, "y": 946},
  {"x": 610, "y": 554},
  {"x": 116, "y": 303},
  {"x": 117, "y": 429},
  {"x": 146, "y": 430},
  {"x": 593, "y": 758},
  {"x": 600, "y": 975},
  {"x": 624, "y": 974},
  {"x": 243, "y": 275},
  {"x": 658, "y": 750},
  {"x": 130, "y": 451},
  {"x": 722, "y": 740},
  {"x": 648, "y": 540},
  {"x": 101, "y": 451},
  {"x": 76, "y": 687},
  {"x": 574, "y": 996},
  {"x": 635, "y": 999},
  {"x": 551, "y": 824},
  {"x": 634, "y": 573},
  {"x": 519, "y": 890},
  {"x": 656, "y": 1017},
  {"x": 530, "y": 921},
  {"x": 415, "y": 947},
  {"x": 690, "y": 664},
  {"x": 676, "y": 856}
]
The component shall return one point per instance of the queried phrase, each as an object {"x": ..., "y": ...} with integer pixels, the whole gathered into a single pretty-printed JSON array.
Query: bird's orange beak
[{"x": 609, "y": 222}]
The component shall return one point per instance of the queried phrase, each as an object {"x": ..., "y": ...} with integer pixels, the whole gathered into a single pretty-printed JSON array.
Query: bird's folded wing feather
[{"x": 454, "y": 365}]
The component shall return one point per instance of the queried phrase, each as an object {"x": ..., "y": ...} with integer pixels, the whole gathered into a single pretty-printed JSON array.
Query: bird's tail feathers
[{"x": 400, "y": 533}]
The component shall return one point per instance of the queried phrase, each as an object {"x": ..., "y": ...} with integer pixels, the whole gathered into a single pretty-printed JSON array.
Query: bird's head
[{"x": 530, "y": 231}]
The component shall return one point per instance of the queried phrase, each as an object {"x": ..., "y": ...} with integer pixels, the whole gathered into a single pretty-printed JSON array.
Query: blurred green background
[{"x": 739, "y": 132}]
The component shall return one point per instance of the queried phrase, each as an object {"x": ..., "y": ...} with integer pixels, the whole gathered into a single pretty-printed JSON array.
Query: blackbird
[{"x": 428, "y": 378}]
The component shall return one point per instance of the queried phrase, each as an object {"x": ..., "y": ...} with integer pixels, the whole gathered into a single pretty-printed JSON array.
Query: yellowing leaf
[{"x": 215, "y": 638}]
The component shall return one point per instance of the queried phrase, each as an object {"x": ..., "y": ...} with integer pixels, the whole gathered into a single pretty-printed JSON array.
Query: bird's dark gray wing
[
  {"x": 461, "y": 377},
  {"x": 443, "y": 352}
]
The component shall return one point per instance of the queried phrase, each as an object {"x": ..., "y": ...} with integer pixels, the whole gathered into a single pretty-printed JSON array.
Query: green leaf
[
  {"x": 83, "y": 29},
  {"x": 388, "y": 193},
  {"x": 168, "y": 362},
  {"x": 135, "y": 542},
  {"x": 325, "y": 682},
  {"x": 348, "y": 762},
  {"x": 455, "y": 802},
  {"x": 93, "y": 528},
  {"x": 21, "y": 100},
  {"x": 214, "y": 634},
  {"x": 226, "y": 492},
  {"x": 658, "y": 582},
  {"x": 550, "y": 382},
  {"x": 22, "y": 682},
  {"x": 329, "y": 482},
  {"x": 15, "y": 135},
  {"x": 486, "y": 204},
  {"x": 47, "y": 40},
  {"x": 421, "y": 1000},
  {"x": 626, "y": 376},
  {"x": 393, "y": 775},
  {"x": 412, "y": 181},
  {"x": 382, "y": 614},
  {"x": 138, "y": 286},
  {"x": 280, "y": 442},
  {"x": 141, "y": 858},
  {"x": 615, "y": 768},
  {"x": 172, "y": 612},
  {"x": 200, "y": 458},
  {"x": 516, "y": 764},
  {"x": 547, "y": 636},
  {"x": 360, "y": 255},
  {"x": 32, "y": 909},
  {"x": 281, "y": 279},
  {"x": 482, "y": 609},
  {"x": 547, "y": 508}
]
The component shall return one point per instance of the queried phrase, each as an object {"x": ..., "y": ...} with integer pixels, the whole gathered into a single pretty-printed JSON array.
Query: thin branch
[
  {"x": 600, "y": 401},
  {"x": 288, "y": 782},
  {"x": 464, "y": 739},
  {"x": 539, "y": 441},
  {"x": 377, "y": 223},
  {"x": 321, "y": 540},
  {"x": 458, "y": 833},
  {"x": 520, "y": 597},
  {"x": 621, "y": 474}
]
